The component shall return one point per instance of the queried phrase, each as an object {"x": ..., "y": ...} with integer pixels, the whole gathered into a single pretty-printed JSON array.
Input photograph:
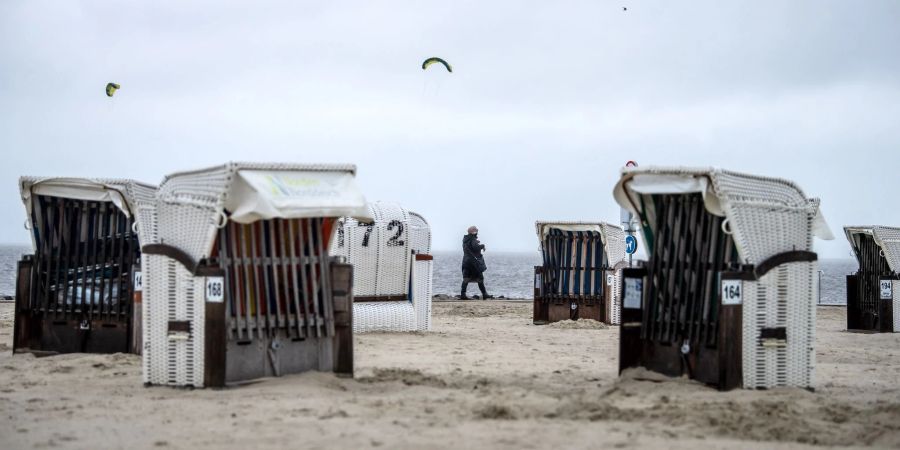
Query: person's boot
[
  {"x": 462, "y": 292},
  {"x": 484, "y": 294}
]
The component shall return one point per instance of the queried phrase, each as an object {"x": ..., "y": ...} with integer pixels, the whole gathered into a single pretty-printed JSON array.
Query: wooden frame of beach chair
[
  {"x": 579, "y": 275},
  {"x": 239, "y": 284},
  {"x": 873, "y": 303},
  {"x": 392, "y": 268},
  {"x": 728, "y": 293},
  {"x": 79, "y": 290}
]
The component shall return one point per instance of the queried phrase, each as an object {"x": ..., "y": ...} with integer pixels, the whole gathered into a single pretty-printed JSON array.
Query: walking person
[{"x": 473, "y": 265}]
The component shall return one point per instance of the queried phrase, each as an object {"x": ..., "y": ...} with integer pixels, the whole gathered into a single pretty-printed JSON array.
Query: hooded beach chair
[
  {"x": 728, "y": 293},
  {"x": 873, "y": 303},
  {"x": 579, "y": 275},
  {"x": 392, "y": 269},
  {"x": 239, "y": 283},
  {"x": 76, "y": 292}
]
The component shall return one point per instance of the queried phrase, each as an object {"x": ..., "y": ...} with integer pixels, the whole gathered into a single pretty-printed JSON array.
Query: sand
[{"x": 484, "y": 378}]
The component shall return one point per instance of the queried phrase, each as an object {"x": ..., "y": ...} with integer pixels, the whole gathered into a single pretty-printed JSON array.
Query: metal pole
[
  {"x": 819, "y": 299},
  {"x": 628, "y": 224}
]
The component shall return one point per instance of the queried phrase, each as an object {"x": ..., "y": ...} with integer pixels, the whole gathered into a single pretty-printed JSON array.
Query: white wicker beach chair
[
  {"x": 730, "y": 272},
  {"x": 239, "y": 282},
  {"x": 579, "y": 276},
  {"x": 76, "y": 293},
  {"x": 392, "y": 269},
  {"x": 873, "y": 302}
]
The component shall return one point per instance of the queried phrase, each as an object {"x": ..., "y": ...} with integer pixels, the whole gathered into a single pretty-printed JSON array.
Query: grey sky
[{"x": 546, "y": 102}]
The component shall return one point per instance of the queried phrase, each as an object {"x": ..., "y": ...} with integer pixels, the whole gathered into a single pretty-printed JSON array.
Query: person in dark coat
[{"x": 473, "y": 266}]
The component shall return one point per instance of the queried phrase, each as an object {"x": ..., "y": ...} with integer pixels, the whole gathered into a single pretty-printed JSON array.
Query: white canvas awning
[{"x": 266, "y": 194}]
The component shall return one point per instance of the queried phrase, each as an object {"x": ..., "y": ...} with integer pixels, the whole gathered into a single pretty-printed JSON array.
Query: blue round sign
[{"x": 630, "y": 245}]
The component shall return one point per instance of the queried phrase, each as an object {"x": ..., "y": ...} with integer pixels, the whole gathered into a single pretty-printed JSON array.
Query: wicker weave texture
[
  {"x": 383, "y": 316},
  {"x": 423, "y": 292},
  {"x": 614, "y": 242},
  {"x": 889, "y": 240},
  {"x": 780, "y": 299},
  {"x": 419, "y": 233},
  {"x": 176, "y": 295},
  {"x": 383, "y": 256},
  {"x": 896, "y": 303},
  {"x": 768, "y": 216},
  {"x": 615, "y": 306}
]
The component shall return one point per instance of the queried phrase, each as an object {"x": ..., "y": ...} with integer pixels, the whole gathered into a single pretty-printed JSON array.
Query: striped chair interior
[{"x": 574, "y": 262}]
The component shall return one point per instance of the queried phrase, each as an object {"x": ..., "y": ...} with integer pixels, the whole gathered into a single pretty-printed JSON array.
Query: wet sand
[{"x": 485, "y": 377}]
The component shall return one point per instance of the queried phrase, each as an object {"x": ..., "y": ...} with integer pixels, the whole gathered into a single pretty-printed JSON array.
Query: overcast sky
[{"x": 546, "y": 102}]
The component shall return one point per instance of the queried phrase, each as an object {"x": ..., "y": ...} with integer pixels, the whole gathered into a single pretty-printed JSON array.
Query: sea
[{"x": 509, "y": 274}]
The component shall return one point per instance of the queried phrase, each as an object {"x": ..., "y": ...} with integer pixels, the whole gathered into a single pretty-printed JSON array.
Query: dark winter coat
[{"x": 473, "y": 262}]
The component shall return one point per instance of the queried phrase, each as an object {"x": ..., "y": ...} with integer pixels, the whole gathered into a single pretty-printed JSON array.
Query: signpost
[{"x": 628, "y": 226}]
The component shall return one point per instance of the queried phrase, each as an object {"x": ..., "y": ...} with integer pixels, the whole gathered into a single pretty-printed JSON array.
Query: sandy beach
[{"x": 485, "y": 377}]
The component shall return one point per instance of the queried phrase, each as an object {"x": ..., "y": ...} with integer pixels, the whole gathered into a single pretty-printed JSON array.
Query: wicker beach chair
[
  {"x": 239, "y": 282},
  {"x": 392, "y": 269},
  {"x": 579, "y": 275},
  {"x": 76, "y": 292},
  {"x": 728, "y": 293},
  {"x": 873, "y": 302}
]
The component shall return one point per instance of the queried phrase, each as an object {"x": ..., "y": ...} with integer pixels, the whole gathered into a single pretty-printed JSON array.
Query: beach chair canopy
[
  {"x": 123, "y": 193},
  {"x": 886, "y": 238},
  {"x": 611, "y": 236},
  {"x": 134, "y": 198},
  {"x": 767, "y": 216},
  {"x": 206, "y": 199}
]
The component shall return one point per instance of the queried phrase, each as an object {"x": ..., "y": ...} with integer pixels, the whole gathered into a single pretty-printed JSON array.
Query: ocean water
[
  {"x": 512, "y": 275},
  {"x": 9, "y": 256},
  {"x": 509, "y": 274}
]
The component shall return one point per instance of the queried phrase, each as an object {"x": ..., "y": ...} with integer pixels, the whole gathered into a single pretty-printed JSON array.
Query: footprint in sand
[{"x": 62, "y": 369}]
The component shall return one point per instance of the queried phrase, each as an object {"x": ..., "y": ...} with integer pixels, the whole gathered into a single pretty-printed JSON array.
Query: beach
[{"x": 485, "y": 377}]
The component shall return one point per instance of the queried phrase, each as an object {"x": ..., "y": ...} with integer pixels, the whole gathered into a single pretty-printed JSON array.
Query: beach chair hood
[
  {"x": 135, "y": 199},
  {"x": 888, "y": 238},
  {"x": 123, "y": 193},
  {"x": 247, "y": 192},
  {"x": 767, "y": 216},
  {"x": 612, "y": 236}
]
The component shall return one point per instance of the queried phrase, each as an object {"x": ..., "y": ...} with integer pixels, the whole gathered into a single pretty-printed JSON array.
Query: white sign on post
[
  {"x": 887, "y": 289},
  {"x": 731, "y": 292},
  {"x": 634, "y": 288},
  {"x": 215, "y": 289},
  {"x": 138, "y": 282}
]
